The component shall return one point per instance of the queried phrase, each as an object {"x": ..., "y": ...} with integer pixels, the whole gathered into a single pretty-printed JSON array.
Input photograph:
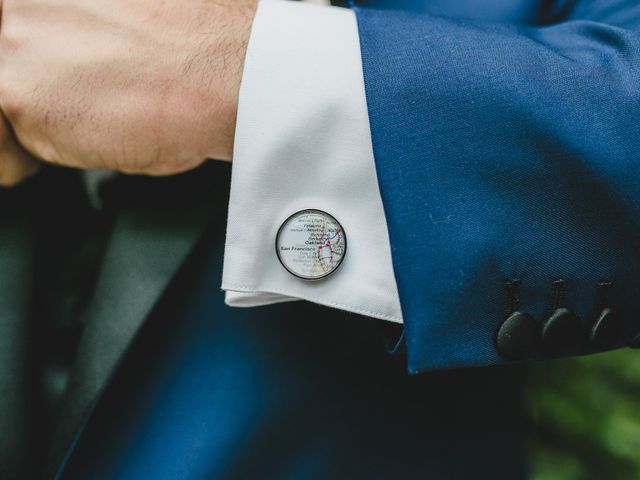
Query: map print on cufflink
[{"x": 311, "y": 244}]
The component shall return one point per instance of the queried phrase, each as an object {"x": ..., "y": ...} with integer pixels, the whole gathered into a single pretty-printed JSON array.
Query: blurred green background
[{"x": 585, "y": 415}]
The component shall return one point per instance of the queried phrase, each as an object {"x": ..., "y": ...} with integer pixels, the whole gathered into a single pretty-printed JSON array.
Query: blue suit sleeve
[{"x": 508, "y": 160}]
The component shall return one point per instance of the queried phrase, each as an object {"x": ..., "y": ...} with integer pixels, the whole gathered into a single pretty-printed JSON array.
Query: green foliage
[{"x": 585, "y": 415}]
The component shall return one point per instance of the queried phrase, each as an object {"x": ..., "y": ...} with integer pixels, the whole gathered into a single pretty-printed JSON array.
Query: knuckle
[
  {"x": 16, "y": 96},
  {"x": 12, "y": 104}
]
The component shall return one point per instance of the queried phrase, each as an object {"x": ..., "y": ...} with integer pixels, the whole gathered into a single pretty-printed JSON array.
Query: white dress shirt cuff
[{"x": 303, "y": 142}]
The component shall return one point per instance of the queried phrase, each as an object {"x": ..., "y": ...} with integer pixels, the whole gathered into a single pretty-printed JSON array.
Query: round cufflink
[{"x": 311, "y": 244}]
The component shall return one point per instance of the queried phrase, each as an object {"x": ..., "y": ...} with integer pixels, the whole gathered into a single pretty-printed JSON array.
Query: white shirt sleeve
[{"x": 303, "y": 142}]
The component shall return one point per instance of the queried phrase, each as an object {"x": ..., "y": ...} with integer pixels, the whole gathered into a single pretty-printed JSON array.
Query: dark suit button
[
  {"x": 561, "y": 333},
  {"x": 518, "y": 336},
  {"x": 606, "y": 330}
]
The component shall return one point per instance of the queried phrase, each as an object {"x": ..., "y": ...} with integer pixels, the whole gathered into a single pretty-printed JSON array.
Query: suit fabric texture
[{"x": 506, "y": 144}]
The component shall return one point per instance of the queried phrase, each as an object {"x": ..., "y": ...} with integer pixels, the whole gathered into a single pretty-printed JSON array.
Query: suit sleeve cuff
[{"x": 303, "y": 142}]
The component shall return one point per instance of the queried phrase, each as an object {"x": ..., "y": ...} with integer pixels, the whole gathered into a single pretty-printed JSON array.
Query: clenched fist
[{"x": 147, "y": 87}]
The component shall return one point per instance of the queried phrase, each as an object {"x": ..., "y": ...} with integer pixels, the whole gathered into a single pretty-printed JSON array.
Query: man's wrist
[{"x": 151, "y": 88}]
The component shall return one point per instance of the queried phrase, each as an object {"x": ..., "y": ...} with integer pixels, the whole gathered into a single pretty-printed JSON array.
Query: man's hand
[{"x": 147, "y": 87}]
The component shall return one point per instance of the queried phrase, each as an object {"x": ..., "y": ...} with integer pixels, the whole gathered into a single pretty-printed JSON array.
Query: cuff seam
[{"x": 323, "y": 301}]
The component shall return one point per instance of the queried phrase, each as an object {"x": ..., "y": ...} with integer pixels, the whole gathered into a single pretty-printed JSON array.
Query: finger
[{"x": 16, "y": 164}]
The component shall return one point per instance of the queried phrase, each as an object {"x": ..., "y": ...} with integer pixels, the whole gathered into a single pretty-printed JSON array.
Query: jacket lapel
[{"x": 148, "y": 244}]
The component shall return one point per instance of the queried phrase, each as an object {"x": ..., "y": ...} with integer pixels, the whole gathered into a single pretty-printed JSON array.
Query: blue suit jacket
[
  {"x": 508, "y": 155},
  {"x": 506, "y": 145}
]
